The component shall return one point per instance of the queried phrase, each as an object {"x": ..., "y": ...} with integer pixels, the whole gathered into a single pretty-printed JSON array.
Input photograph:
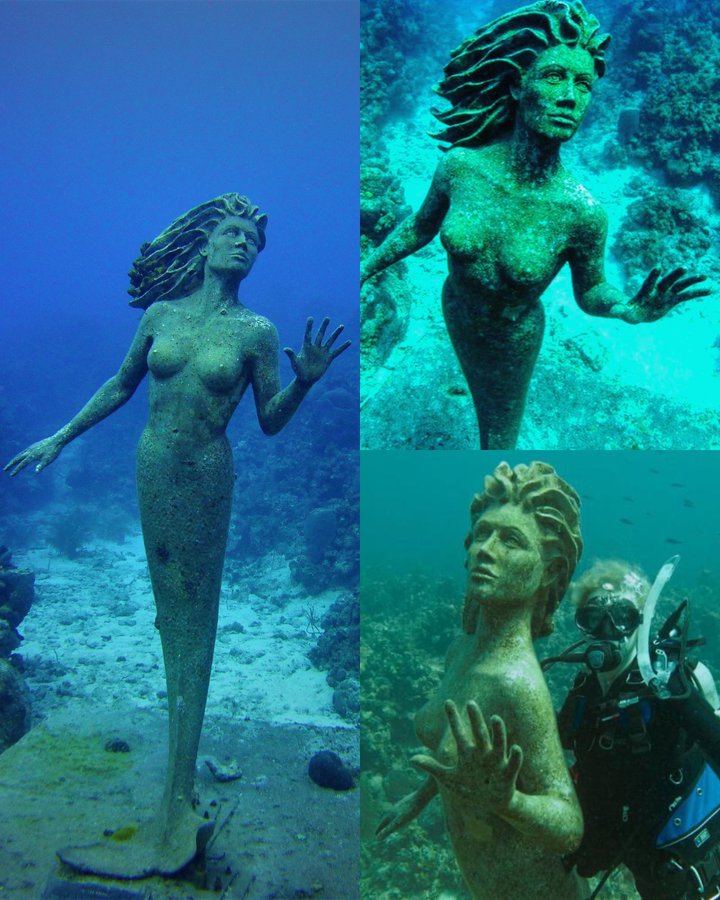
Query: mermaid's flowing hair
[
  {"x": 539, "y": 491},
  {"x": 171, "y": 265},
  {"x": 478, "y": 77}
]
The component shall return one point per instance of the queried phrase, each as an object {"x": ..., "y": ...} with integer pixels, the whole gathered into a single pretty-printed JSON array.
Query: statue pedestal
[{"x": 275, "y": 830}]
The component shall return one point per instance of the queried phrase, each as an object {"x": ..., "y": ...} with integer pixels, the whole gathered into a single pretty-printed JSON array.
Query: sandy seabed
[{"x": 94, "y": 668}]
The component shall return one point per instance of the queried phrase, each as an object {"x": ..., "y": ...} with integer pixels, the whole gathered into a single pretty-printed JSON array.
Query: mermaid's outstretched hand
[
  {"x": 658, "y": 296},
  {"x": 314, "y": 358},
  {"x": 486, "y": 771},
  {"x": 41, "y": 453}
]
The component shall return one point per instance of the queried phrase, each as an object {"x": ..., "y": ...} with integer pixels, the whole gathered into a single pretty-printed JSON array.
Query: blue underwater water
[
  {"x": 118, "y": 118},
  {"x": 646, "y": 151}
]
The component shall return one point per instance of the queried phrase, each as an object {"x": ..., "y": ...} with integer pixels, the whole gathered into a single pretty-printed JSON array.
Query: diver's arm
[
  {"x": 414, "y": 232},
  {"x": 111, "y": 396},
  {"x": 596, "y": 296}
]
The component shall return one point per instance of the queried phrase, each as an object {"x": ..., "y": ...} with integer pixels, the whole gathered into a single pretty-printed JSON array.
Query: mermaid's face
[
  {"x": 233, "y": 245},
  {"x": 504, "y": 559},
  {"x": 554, "y": 94}
]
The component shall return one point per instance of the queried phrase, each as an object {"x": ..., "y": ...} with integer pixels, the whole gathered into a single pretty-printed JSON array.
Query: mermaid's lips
[
  {"x": 482, "y": 572},
  {"x": 564, "y": 120}
]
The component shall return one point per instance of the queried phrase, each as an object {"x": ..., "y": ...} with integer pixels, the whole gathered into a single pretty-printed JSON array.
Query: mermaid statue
[
  {"x": 494, "y": 753},
  {"x": 508, "y": 212},
  {"x": 201, "y": 349}
]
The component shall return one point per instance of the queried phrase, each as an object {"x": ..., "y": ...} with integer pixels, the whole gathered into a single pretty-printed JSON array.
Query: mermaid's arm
[
  {"x": 594, "y": 293},
  {"x": 407, "y": 809},
  {"x": 414, "y": 232}
]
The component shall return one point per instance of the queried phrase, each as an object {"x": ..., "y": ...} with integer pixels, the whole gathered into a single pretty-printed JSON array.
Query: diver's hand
[
  {"x": 41, "y": 454},
  {"x": 314, "y": 358},
  {"x": 657, "y": 297},
  {"x": 485, "y": 774}
]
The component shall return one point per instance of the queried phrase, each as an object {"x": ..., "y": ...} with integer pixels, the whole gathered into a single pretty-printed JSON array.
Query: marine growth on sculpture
[
  {"x": 201, "y": 349},
  {"x": 495, "y": 757},
  {"x": 509, "y": 214}
]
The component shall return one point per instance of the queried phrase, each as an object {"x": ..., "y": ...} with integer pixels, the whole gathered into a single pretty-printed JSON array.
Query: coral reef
[
  {"x": 14, "y": 706},
  {"x": 346, "y": 699},
  {"x": 671, "y": 55},
  {"x": 286, "y": 489},
  {"x": 408, "y": 623},
  {"x": 337, "y": 650},
  {"x": 660, "y": 228},
  {"x": 70, "y": 532},
  {"x": 402, "y": 46},
  {"x": 321, "y": 527},
  {"x": 17, "y": 592},
  {"x": 337, "y": 646}
]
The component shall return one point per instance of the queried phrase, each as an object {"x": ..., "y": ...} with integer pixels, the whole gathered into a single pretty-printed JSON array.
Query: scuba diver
[{"x": 643, "y": 723}]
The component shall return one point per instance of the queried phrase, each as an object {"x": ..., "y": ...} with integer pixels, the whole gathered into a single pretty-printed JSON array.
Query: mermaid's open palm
[{"x": 485, "y": 773}]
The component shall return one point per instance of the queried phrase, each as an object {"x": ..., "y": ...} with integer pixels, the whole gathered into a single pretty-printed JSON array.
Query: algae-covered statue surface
[
  {"x": 509, "y": 214},
  {"x": 202, "y": 348},
  {"x": 510, "y": 808}
]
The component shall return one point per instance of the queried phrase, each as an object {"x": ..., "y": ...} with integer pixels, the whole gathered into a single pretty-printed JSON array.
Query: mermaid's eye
[{"x": 513, "y": 539}]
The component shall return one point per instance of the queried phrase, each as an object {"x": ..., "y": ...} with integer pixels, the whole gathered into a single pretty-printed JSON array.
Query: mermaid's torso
[
  {"x": 506, "y": 242},
  {"x": 497, "y": 860},
  {"x": 200, "y": 366}
]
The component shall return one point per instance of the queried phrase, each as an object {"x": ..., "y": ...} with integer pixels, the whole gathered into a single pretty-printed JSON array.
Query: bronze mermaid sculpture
[
  {"x": 495, "y": 757},
  {"x": 509, "y": 214},
  {"x": 201, "y": 349}
]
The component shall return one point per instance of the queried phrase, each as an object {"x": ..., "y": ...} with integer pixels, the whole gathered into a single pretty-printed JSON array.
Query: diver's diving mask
[{"x": 608, "y": 616}]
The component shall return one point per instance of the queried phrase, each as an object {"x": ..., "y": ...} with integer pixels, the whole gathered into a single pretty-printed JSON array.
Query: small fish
[
  {"x": 655, "y": 471},
  {"x": 672, "y": 541},
  {"x": 629, "y": 499},
  {"x": 688, "y": 503},
  {"x": 677, "y": 484},
  {"x": 626, "y": 521}
]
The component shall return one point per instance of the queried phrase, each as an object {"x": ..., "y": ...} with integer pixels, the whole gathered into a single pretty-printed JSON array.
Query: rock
[
  {"x": 9, "y": 638},
  {"x": 320, "y": 529},
  {"x": 17, "y": 592},
  {"x": 14, "y": 706},
  {"x": 329, "y": 771},
  {"x": 346, "y": 699}
]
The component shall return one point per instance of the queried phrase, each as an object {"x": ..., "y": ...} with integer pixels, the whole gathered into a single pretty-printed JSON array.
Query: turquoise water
[
  {"x": 642, "y": 506},
  {"x": 610, "y": 385}
]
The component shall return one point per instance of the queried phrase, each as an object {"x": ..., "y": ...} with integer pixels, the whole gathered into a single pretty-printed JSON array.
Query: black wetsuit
[{"x": 633, "y": 763}]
